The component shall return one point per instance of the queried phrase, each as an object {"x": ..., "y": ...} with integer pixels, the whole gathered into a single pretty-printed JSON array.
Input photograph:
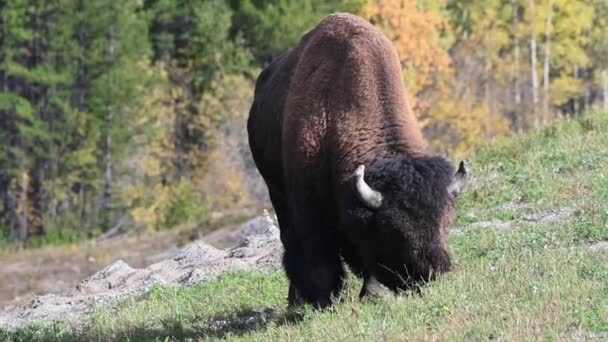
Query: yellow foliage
[
  {"x": 219, "y": 173},
  {"x": 224, "y": 181},
  {"x": 450, "y": 122},
  {"x": 20, "y": 190},
  {"x": 416, "y": 36},
  {"x": 153, "y": 150},
  {"x": 564, "y": 88},
  {"x": 458, "y": 124},
  {"x": 162, "y": 195},
  {"x": 149, "y": 214},
  {"x": 21, "y": 187}
]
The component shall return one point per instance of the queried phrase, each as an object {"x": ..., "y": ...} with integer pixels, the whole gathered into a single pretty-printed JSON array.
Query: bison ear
[
  {"x": 459, "y": 181},
  {"x": 370, "y": 197}
]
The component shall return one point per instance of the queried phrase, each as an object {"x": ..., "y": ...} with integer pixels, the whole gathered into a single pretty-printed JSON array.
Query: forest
[{"x": 130, "y": 115}]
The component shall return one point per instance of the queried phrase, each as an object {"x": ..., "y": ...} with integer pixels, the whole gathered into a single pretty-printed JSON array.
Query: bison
[{"x": 346, "y": 166}]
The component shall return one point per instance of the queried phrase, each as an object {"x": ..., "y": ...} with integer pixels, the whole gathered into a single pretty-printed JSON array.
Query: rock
[
  {"x": 106, "y": 278},
  {"x": 497, "y": 224},
  {"x": 551, "y": 215},
  {"x": 599, "y": 246},
  {"x": 258, "y": 248},
  {"x": 237, "y": 235},
  {"x": 198, "y": 251},
  {"x": 547, "y": 216}
]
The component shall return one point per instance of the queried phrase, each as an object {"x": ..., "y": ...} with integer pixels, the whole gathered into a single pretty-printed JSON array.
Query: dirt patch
[
  {"x": 551, "y": 215},
  {"x": 198, "y": 262},
  {"x": 55, "y": 269}
]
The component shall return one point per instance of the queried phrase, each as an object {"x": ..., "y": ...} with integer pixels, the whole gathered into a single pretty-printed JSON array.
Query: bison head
[{"x": 404, "y": 212}]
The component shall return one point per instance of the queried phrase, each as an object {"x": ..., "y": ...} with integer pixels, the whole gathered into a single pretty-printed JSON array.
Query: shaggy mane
[{"x": 423, "y": 181}]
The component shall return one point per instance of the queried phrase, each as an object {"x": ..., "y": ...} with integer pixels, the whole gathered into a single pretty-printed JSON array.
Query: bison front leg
[
  {"x": 315, "y": 273},
  {"x": 293, "y": 297}
]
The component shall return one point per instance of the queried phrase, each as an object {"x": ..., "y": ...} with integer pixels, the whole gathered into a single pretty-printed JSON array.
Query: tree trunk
[
  {"x": 605, "y": 88},
  {"x": 107, "y": 195},
  {"x": 515, "y": 69},
  {"x": 82, "y": 88},
  {"x": 575, "y": 104},
  {"x": 5, "y": 207},
  {"x": 586, "y": 86},
  {"x": 81, "y": 78},
  {"x": 22, "y": 208},
  {"x": 533, "y": 62},
  {"x": 547, "y": 64}
]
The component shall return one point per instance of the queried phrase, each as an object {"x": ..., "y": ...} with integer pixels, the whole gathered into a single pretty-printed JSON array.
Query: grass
[{"x": 535, "y": 280}]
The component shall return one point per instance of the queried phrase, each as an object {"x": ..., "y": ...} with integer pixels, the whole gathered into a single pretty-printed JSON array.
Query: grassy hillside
[{"x": 530, "y": 262}]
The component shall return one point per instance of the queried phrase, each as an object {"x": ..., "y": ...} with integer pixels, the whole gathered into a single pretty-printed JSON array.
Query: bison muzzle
[{"x": 347, "y": 170}]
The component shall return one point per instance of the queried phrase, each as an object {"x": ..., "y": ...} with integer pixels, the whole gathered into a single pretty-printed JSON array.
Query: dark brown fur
[{"x": 334, "y": 102}]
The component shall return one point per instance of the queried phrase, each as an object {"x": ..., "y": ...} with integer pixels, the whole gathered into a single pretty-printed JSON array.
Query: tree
[
  {"x": 112, "y": 112},
  {"x": 272, "y": 27},
  {"x": 597, "y": 50},
  {"x": 534, "y": 60},
  {"x": 115, "y": 47},
  {"x": 53, "y": 131},
  {"x": 192, "y": 40},
  {"x": 422, "y": 38},
  {"x": 551, "y": 33},
  {"x": 417, "y": 38},
  {"x": 34, "y": 79}
]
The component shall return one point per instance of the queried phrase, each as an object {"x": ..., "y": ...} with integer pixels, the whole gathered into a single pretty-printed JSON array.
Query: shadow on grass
[
  {"x": 247, "y": 321},
  {"x": 233, "y": 324}
]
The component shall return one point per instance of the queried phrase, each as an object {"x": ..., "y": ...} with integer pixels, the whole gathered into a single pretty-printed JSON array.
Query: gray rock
[
  {"x": 547, "y": 216},
  {"x": 551, "y": 215},
  {"x": 599, "y": 246},
  {"x": 237, "y": 235},
  {"x": 259, "y": 249}
]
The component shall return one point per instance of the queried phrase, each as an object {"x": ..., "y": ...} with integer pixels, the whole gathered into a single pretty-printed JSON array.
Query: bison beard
[{"x": 347, "y": 170}]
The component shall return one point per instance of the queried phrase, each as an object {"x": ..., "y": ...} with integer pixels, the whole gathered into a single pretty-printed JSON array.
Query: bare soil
[
  {"x": 253, "y": 245},
  {"x": 52, "y": 270}
]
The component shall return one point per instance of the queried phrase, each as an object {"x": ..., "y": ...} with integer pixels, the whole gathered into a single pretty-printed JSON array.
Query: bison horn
[
  {"x": 370, "y": 197},
  {"x": 459, "y": 181}
]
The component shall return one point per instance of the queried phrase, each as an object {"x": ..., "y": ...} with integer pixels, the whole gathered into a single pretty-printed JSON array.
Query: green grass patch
[{"x": 525, "y": 281}]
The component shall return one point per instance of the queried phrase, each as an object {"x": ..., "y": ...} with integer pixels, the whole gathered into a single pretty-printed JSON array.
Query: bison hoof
[{"x": 373, "y": 289}]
